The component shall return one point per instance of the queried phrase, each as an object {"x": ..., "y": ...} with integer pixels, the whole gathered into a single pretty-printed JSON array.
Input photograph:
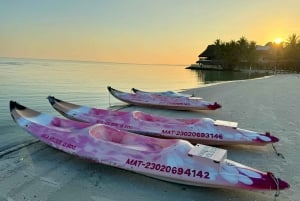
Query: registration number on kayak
[
  {"x": 58, "y": 141},
  {"x": 192, "y": 134},
  {"x": 168, "y": 169},
  {"x": 122, "y": 126}
]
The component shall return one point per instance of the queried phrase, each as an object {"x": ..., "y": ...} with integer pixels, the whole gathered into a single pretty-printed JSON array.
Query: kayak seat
[
  {"x": 148, "y": 117},
  {"x": 145, "y": 117},
  {"x": 106, "y": 133}
]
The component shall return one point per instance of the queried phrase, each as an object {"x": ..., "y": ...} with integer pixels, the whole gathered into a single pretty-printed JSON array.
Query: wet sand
[{"x": 39, "y": 172}]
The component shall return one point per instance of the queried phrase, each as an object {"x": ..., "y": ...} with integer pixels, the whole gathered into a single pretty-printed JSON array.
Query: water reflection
[
  {"x": 30, "y": 81},
  {"x": 209, "y": 76}
]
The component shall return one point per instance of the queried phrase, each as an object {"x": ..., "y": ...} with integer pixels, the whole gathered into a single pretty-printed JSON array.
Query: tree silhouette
[
  {"x": 233, "y": 54},
  {"x": 292, "y": 49},
  {"x": 242, "y": 53}
]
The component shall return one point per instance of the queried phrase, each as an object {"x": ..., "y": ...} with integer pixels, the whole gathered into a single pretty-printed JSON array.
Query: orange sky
[{"x": 138, "y": 31}]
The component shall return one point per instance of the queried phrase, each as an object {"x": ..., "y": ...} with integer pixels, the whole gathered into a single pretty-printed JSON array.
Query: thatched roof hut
[{"x": 208, "y": 53}]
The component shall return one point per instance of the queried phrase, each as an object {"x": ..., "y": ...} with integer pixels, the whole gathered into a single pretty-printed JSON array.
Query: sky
[{"x": 138, "y": 31}]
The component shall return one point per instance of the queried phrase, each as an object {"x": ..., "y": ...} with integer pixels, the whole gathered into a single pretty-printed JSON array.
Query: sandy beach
[{"x": 39, "y": 172}]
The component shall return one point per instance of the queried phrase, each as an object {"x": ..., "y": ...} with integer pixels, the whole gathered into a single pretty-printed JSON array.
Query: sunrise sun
[{"x": 278, "y": 40}]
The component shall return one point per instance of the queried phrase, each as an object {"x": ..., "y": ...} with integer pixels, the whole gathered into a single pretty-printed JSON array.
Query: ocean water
[{"x": 30, "y": 81}]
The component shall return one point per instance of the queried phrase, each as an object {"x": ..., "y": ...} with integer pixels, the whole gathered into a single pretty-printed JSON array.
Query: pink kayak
[
  {"x": 166, "y": 159},
  {"x": 202, "y": 130},
  {"x": 165, "y": 102},
  {"x": 162, "y": 93}
]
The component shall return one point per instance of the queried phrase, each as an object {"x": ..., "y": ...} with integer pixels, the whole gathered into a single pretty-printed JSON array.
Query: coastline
[{"x": 38, "y": 172}]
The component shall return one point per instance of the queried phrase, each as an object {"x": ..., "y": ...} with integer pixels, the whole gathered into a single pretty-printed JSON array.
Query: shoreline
[
  {"x": 224, "y": 82},
  {"x": 38, "y": 172}
]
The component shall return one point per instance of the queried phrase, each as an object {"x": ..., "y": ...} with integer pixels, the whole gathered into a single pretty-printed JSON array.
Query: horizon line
[{"x": 93, "y": 61}]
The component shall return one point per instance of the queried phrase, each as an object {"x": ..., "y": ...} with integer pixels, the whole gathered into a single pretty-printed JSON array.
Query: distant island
[{"x": 244, "y": 55}]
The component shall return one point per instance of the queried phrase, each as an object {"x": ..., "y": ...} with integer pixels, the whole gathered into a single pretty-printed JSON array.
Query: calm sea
[{"x": 30, "y": 81}]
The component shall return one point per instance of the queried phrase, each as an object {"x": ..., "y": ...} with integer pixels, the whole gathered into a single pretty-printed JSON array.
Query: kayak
[
  {"x": 163, "y": 93},
  {"x": 171, "y": 160},
  {"x": 201, "y": 130},
  {"x": 165, "y": 102}
]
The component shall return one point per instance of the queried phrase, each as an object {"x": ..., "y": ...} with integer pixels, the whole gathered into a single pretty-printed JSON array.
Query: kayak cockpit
[
  {"x": 138, "y": 115},
  {"x": 108, "y": 134}
]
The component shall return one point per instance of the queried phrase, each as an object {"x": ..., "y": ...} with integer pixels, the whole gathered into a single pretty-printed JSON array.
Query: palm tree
[
  {"x": 218, "y": 49},
  {"x": 292, "y": 52},
  {"x": 242, "y": 45},
  {"x": 293, "y": 46},
  {"x": 251, "y": 55},
  {"x": 293, "y": 40},
  {"x": 230, "y": 55}
]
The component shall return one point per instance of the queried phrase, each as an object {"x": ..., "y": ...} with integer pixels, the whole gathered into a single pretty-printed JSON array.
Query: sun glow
[{"x": 278, "y": 40}]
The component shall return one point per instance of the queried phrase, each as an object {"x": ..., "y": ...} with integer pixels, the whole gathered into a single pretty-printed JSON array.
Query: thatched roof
[{"x": 209, "y": 52}]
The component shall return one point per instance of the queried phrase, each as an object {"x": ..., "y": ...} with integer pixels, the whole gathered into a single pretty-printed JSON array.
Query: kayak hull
[
  {"x": 201, "y": 130},
  {"x": 163, "y": 93},
  {"x": 167, "y": 159},
  {"x": 165, "y": 102}
]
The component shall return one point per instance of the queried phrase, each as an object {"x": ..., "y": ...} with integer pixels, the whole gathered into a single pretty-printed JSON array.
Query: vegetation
[
  {"x": 246, "y": 54},
  {"x": 232, "y": 54}
]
